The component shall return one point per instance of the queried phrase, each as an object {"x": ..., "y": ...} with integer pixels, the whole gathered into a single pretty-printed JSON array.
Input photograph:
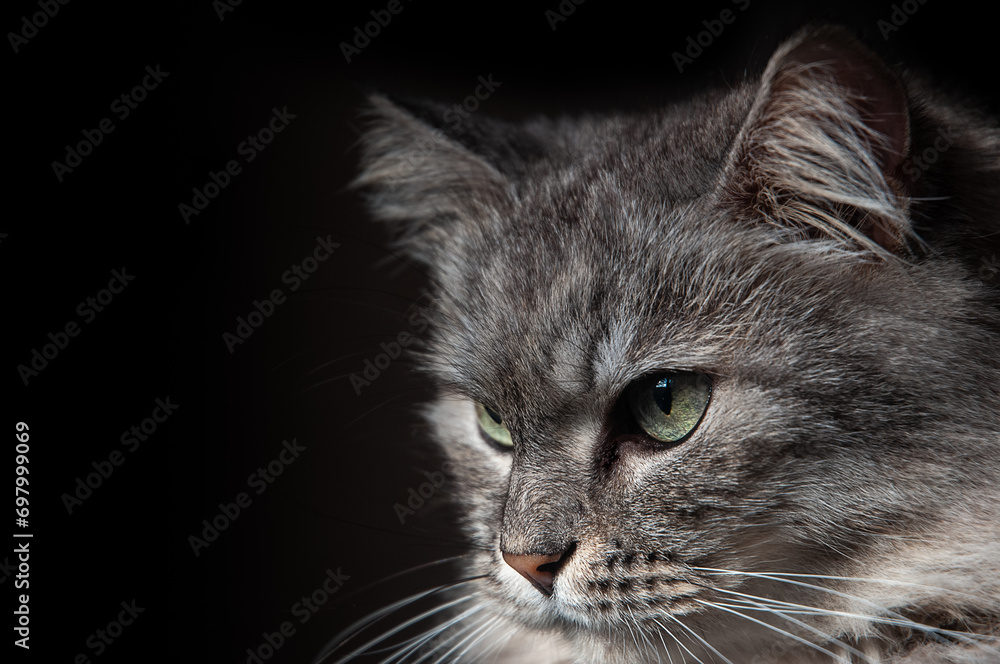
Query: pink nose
[{"x": 530, "y": 567}]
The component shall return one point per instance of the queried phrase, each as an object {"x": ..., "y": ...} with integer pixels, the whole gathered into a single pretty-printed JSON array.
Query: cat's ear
[
  {"x": 822, "y": 150},
  {"x": 426, "y": 168}
]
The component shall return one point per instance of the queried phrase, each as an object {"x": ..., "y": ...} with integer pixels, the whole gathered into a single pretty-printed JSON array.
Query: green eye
[
  {"x": 493, "y": 426},
  {"x": 669, "y": 406}
]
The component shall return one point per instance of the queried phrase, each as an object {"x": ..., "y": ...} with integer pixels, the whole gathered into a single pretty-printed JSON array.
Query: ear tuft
[
  {"x": 821, "y": 151},
  {"x": 420, "y": 180}
]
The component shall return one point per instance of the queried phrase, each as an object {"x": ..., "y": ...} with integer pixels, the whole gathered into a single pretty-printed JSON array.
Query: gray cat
[{"x": 720, "y": 382}]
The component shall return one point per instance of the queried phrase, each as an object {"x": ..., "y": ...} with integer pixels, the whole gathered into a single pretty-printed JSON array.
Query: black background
[{"x": 162, "y": 337}]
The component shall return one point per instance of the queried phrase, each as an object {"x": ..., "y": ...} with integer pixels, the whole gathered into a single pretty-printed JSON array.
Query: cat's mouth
[{"x": 593, "y": 591}]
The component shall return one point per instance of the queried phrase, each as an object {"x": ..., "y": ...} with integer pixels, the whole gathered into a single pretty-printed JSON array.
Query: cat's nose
[{"x": 539, "y": 570}]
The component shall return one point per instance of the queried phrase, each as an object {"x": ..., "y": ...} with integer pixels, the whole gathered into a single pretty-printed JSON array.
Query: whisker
[
  {"x": 678, "y": 642},
  {"x": 490, "y": 628},
  {"x": 356, "y": 627},
  {"x": 812, "y": 629},
  {"x": 329, "y": 362},
  {"x": 769, "y": 626},
  {"x": 396, "y": 575},
  {"x": 470, "y": 633},
  {"x": 496, "y": 645},
  {"x": 968, "y": 637},
  {"x": 642, "y": 633},
  {"x": 666, "y": 648},
  {"x": 463, "y": 630},
  {"x": 416, "y": 642},
  {"x": 897, "y": 619},
  {"x": 700, "y": 638},
  {"x": 631, "y": 633},
  {"x": 753, "y": 606},
  {"x": 398, "y": 628},
  {"x": 357, "y": 419},
  {"x": 889, "y": 582}
]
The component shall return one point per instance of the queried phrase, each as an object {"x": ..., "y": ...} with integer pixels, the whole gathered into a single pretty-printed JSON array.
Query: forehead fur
[{"x": 588, "y": 251}]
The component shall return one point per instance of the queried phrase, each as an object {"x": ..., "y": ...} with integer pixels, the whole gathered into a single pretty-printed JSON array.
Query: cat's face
[
  {"x": 803, "y": 459},
  {"x": 556, "y": 356},
  {"x": 674, "y": 353}
]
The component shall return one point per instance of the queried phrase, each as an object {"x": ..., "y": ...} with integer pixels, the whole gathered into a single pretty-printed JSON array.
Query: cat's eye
[
  {"x": 492, "y": 425},
  {"x": 669, "y": 406}
]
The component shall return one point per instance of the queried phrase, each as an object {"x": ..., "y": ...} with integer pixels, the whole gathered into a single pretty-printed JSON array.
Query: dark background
[{"x": 333, "y": 508}]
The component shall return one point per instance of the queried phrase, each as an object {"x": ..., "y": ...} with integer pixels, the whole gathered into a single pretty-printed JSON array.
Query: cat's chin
[
  {"x": 573, "y": 632},
  {"x": 564, "y": 629}
]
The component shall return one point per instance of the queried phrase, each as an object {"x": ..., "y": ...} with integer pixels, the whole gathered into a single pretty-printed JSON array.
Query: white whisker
[
  {"x": 355, "y": 628},
  {"x": 464, "y": 629},
  {"x": 632, "y": 634},
  {"x": 490, "y": 628},
  {"x": 762, "y": 607},
  {"x": 649, "y": 643},
  {"x": 769, "y": 626},
  {"x": 678, "y": 642},
  {"x": 700, "y": 638},
  {"x": 894, "y": 619},
  {"x": 401, "y": 627},
  {"x": 418, "y": 641},
  {"x": 470, "y": 631},
  {"x": 888, "y": 582},
  {"x": 496, "y": 645},
  {"x": 666, "y": 648}
]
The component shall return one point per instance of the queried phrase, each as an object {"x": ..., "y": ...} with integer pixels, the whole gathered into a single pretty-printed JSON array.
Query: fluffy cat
[{"x": 718, "y": 382}]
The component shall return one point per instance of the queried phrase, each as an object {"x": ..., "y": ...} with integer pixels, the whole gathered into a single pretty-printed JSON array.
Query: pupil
[
  {"x": 663, "y": 395},
  {"x": 496, "y": 418}
]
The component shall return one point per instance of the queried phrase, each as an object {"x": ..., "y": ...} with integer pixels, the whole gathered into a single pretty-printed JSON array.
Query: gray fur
[{"x": 769, "y": 235}]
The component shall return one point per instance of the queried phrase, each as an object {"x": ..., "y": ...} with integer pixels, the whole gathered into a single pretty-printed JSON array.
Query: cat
[{"x": 718, "y": 382}]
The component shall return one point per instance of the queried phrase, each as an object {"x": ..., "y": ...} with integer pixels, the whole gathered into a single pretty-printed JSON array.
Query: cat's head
[{"x": 680, "y": 352}]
